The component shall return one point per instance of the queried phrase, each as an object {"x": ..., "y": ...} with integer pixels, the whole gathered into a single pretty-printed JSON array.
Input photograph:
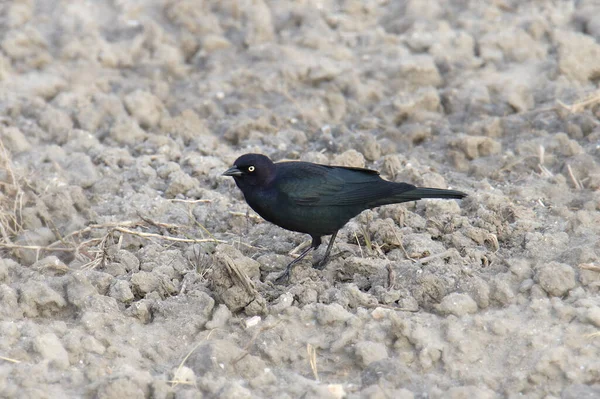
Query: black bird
[{"x": 318, "y": 199}]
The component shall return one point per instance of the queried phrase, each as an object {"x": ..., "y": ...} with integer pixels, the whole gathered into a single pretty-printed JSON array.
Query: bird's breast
[{"x": 277, "y": 208}]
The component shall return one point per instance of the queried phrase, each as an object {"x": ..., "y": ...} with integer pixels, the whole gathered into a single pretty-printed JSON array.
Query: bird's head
[{"x": 252, "y": 170}]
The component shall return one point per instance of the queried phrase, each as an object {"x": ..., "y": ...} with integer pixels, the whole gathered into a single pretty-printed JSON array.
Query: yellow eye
[{"x": 251, "y": 168}]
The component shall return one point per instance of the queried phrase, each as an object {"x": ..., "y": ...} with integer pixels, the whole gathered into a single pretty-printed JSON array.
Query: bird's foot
[
  {"x": 283, "y": 277},
  {"x": 320, "y": 265}
]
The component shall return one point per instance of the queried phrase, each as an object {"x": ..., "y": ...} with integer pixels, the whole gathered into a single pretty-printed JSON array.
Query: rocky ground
[{"x": 130, "y": 268}]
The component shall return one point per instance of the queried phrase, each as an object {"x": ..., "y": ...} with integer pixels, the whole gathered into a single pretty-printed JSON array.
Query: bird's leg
[
  {"x": 321, "y": 264},
  {"x": 285, "y": 276}
]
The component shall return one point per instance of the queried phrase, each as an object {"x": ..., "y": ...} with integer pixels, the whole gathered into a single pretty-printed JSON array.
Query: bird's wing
[{"x": 308, "y": 184}]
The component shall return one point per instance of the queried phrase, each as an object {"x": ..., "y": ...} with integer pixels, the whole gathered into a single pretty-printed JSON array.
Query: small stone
[
  {"x": 219, "y": 318},
  {"x": 253, "y": 321},
  {"x": 38, "y": 298},
  {"x": 259, "y": 23},
  {"x": 82, "y": 170},
  {"x": 14, "y": 140},
  {"x": 457, "y": 304},
  {"x": 234, "y": 390},
  {"x": 555, "y": 278},
  {"x": 145, "y": 107},
  {"x": 127, "y": 132},
  {"x": 477, "y": 146},
  {"x": 419, "y": 70},
  {"x": 212, "y": 43},
  {"x": 502, "y": 291},
  {"x": 79, "y": 289},
  {"x": 51, "y": 349},
  {"x": 281, "y": 303},
  {"x": 592, "y": 315},
  {"x": 117, "y": 388},
  {"x": 50, "y": 265},
  {"x": 350, "y": 158},
  {"x": 575, "y": 52},
  {"x": 91, "y": 344},
  {"x": 184, "y": 375},
  {"x": 470, "y": 391},
  {"x": 143, "y": 283},
  {"x": 140, "y": 310},
  {"x": 369, "y": 352},
  {"x": 121, "y": 291},
  {"x": 370, "y": 147},
  {"x": 331, "y": 314},
  {"x": 180, "y": 183},
  {"x": 411, "y": 105}
]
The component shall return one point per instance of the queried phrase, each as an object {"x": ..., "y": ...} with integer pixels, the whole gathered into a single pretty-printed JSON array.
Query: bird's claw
[
  {"x": 320, "y": 265},
  {"x": 283, "y": 277}
]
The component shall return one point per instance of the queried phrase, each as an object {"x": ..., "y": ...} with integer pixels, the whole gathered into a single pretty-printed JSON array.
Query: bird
[{"x": 318, "y": 199}]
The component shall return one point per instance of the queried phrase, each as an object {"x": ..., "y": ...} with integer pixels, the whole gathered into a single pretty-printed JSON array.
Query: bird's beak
[{"x": 233, "y": 171}]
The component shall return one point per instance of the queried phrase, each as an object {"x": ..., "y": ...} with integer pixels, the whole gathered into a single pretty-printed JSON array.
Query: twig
[
  {"x": 10, "y": 219},
  {"x": 367, "y": 236},
  {"x": 175, "y": 382},
  {"x": 493, "y": 240},
  {"x": 202, "y": 201},
  {"x": 544, "y": 171},
  {"x": 403, "y": 249},
  {"x": 203, "y": 228},
  {"x": 168, "y": 238},
  {"x": 152, "y": 222},
  {"x": 312, "y": 360},
  {"x": 235, "y": 271},
  {"x": 391, "y": 275},
  {"x": 253, "y": 340},
  {"x": 589, "y": 266},
  {"x": 576, "y": 183},
  {"x": 445, "y": 254},
  {"x": 102, "y": 242},
  {"x": 245, "y": 214},
  {"x": 580, "y": 105},
  {"x": 383, "y": 305},
  {"x": 35, "y": 247},
  {"x": 298, "y": 248},
  {"x": 8, "y": 359},
  {"x": 362, "y": 255},
  {"x": 593, "y": 335}
]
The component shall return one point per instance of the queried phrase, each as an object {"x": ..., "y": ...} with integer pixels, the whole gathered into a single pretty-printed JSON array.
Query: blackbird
[{"x": 318, "y": 199}]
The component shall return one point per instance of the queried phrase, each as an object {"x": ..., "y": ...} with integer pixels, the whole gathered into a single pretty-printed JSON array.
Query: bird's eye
[{"x": 251, "y": 168}]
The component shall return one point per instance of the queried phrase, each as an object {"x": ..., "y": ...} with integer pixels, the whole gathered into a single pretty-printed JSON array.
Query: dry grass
[
  {"x": 250, "y": 343},
  {"x": 85, "y": 244},
  {"x": 178, "y": 375},
  {"x": 296, "y": 251},
  {"x": 312, "y": 360},
  {"x": 578, "y": 185},
  {"x": 593, "y": 335},
  {"x": 95, "y": 249},
  {"x": 589, "y": 266},
  {"x": 582, "y": 103},
  {"x": 237, "y": 274},
  {"x": 12, "y": 197},
  {"x": 8, "y": 359},
  {"x": 201, "y": 262}
]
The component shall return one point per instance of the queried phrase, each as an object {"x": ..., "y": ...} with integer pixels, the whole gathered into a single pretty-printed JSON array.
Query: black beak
[{"x": 233, "y": 171}]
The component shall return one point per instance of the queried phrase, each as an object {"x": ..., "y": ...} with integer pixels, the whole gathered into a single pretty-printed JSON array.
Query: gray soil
[{"x": 130, "y": 268}]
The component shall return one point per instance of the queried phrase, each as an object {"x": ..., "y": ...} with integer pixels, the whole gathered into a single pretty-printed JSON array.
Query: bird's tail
[
  {"x": 403, "y": 192},
  {"x": 425, "y": 192}
]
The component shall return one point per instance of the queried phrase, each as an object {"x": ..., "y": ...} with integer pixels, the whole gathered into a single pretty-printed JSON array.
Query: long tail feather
[
  {"x": 396, "y": 193},
  {"x": 406, "y": 192},
  {"x": 425, "y": 192}
]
